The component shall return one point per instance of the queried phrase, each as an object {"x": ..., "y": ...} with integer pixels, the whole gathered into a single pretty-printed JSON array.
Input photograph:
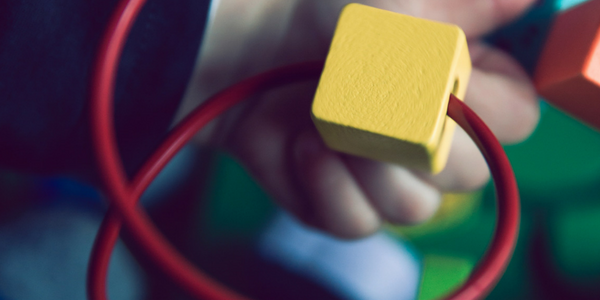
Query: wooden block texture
[
  {"x": 384, "y": 91},
  {"x": 568, "y": 71}
]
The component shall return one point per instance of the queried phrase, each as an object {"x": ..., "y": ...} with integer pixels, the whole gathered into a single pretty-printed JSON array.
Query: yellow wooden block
[{"x": 384, "y": 91}]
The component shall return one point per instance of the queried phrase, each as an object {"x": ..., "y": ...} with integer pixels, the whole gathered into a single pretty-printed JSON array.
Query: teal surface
[
  {"x": 237, "y": 207},
  {"x": 559, "y": 161},
  {"x": 575, "y": 233},
  {"x": 566, "y": 4}
]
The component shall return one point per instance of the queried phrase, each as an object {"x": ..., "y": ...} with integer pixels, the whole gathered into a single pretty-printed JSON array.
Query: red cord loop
[{"x": 124, "y": 194}]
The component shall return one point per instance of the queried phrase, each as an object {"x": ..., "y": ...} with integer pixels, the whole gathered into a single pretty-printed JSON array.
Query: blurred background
[{"x": 217, "y": 216}]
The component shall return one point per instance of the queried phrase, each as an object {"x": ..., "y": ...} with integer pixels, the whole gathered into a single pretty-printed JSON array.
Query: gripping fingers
[
  {"x": 336, "y": 200},
  {"x": 399, "y": 196}
]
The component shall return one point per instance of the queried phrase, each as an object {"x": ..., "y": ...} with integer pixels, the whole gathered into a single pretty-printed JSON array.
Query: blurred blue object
[
  {"x": 44, "y": 256},
  {"x": 65, "y": 191},
  {"x": 378, "y": 267}
]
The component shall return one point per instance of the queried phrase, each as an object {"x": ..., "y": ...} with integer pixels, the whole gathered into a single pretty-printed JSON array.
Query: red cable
[
  {"x": 492, "y": 265},
  {"x": 124, "y": 194}
]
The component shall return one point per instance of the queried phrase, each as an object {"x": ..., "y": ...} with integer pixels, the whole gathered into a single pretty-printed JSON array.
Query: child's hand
[{"x": 275, "y": 139}]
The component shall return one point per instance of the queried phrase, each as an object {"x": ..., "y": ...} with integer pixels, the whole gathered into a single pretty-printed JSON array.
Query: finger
[
  {"x": 397, "y": 194},
  {"x": 475, "y": 17},
  {"x": 320, "y": 190},
  {"x": 336, "y": 200},
  {"x": 261, "y": 148},
  {"x": 261, "y": 135},
  {"x": 466, "y": 169},
  {"x": 502, "y": 95}
]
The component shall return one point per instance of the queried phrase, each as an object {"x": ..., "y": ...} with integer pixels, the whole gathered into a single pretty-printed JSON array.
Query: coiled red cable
[{"x": 124, "y": 194}]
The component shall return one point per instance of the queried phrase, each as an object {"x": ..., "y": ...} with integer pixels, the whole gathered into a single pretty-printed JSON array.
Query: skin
[{"x": 274, "y": 138}]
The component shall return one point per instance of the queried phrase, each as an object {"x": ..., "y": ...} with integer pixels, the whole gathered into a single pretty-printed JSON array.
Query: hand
[{"x": 275, "y": 139}]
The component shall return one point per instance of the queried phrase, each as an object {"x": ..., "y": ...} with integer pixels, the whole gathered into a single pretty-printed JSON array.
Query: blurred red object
[{"x": 568, "y": 72}]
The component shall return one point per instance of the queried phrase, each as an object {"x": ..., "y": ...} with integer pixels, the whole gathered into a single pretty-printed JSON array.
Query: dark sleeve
[{"x": 47, "y": 49}]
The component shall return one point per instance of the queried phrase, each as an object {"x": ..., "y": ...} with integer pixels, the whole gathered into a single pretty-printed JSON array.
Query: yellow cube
[{"x": 384, "y": 91}]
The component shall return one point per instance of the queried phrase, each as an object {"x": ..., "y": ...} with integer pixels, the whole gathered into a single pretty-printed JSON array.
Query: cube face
[
  {"x": 568, "y": 71},
  {"x": 384, "y": 91}
]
